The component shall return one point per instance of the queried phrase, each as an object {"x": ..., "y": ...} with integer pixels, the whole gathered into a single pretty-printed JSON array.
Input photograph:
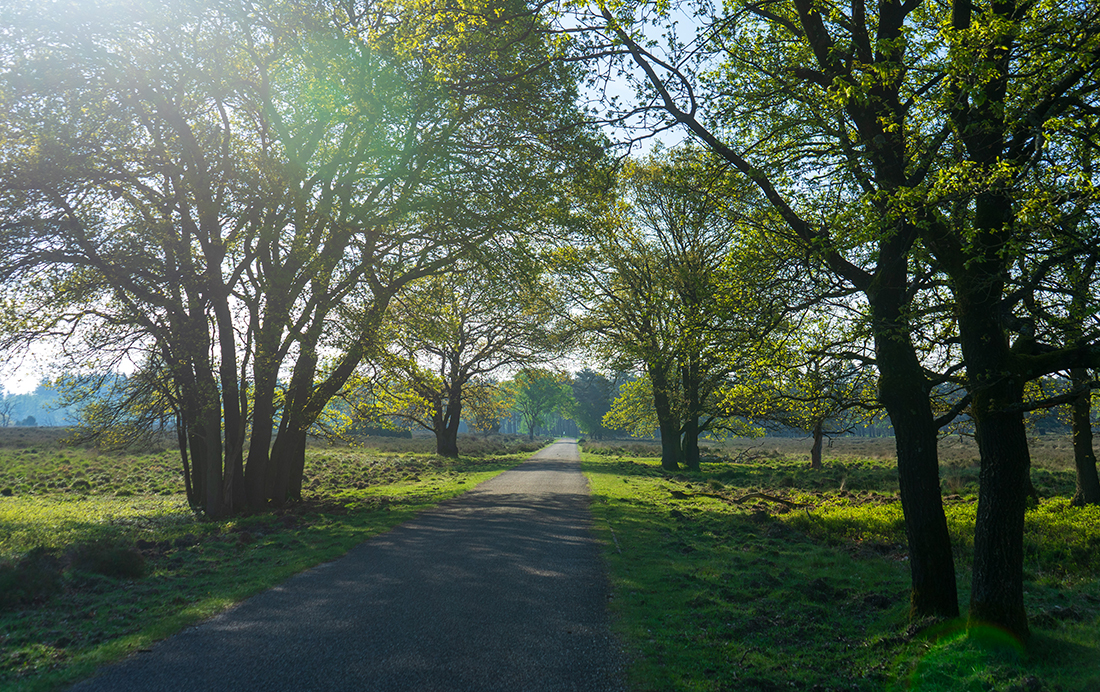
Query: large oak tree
[
  {"x": 242, "y": 188},
  {"x": 879, "y": 134}
]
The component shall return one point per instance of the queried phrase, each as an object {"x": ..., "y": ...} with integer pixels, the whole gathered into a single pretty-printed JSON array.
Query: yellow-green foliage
[
  {"x": 1058, "y": 537},
  {"x": 839, "y": 520},
  {"x": 1062, "y": 538}
]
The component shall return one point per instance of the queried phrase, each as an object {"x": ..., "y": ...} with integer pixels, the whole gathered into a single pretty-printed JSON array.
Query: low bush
[
  {"x": 34, "y": 577},
  {"x": 109, "y": 558}
]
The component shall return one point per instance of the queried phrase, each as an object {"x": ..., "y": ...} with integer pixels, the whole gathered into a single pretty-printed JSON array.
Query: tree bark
[
  {"x": 815, "y": 451},
  {"x": 690, "y": 447},
  {"x": 446, "y": 425},
  {"x": 258, "y": 465},
  {"x": 233, "y": 435},
  {"x": 904, "y": 391},
  {"x": 667, "y": 420},
  {"x": 287, "y": 462},
  {"x": 997, "y": 590},
  {"x": 265, "y": 369},
  {"x": 206, "y": 445},
  {"x": 181, "y": 440},
  {"x": 1088, "y": 483},
  {"x": 446, "y": 443}
]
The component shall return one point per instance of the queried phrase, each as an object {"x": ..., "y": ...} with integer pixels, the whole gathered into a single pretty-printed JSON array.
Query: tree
[
  {"x": 875, "y": 145},
  {"x": 455, "y": 328},
  {"x": 773, "y": 95},
  {"x": 243, "y": 189},
  {"x": 633, "y": 409},
  {"x": 1059, "y": 301},
  {"x": 537, "y": 392},
  {"x": 592, "y": 401},
  {"x": 824, "y": 398},
  {"x": 118, "y": 411},
  {"x": 676, "y": 288},
  {"x": 488, "y": 403},
  {"x": 998, "y": 120},
  {"x": 818, "y": 380}
]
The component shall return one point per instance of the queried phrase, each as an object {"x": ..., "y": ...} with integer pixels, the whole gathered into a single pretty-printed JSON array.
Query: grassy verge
[
  {"x": 764, "y": 575},
  {"x": 189, "y": 569}
]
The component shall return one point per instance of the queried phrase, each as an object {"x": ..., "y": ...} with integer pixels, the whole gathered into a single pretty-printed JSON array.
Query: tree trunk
[
  {"x": 287, "y": 462},
  {"x": 181, "y": 440},
  {"x": 265, "y": 369},
  {"x": 668, "y": 420},
  {"x": 997, "y": 591},
  {"x": 259, "y": 447},
  {"x": 202, "y": 405},
  {"x": 297, "y": 465},
  {"x": 446, "y": 443},
  {"x": 1088, "y": 483},
  {"x": 199, "y": 467},
  {"x": 446, "y": 425},
  {"x": 206, "y": 445},
  {"x": 931, "y": 564},
  {"x": 187, "y": 356},
  {"x": 977, "y": 259},
  {"x": 815, "y": 451},
  {"x": 235, "y": 490},
  {"x": 690, "y": 446},
  {"x": 904, "y": 391}
]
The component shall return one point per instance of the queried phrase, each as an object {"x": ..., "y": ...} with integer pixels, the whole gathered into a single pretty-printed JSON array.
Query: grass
[
  {"x": 719, "y": 585},
  {"x": 131, "y": 515}
]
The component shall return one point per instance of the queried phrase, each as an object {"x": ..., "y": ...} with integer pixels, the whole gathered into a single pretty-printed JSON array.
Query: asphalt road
[{"x": 499, "y": 589}]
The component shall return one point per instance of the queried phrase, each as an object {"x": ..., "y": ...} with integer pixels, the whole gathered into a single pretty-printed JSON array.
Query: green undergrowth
[
  {"x": 129, "y": 570},
  {"x": 767, "y": 575}
]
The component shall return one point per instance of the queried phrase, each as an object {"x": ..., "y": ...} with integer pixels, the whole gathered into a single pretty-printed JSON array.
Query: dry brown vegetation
[{"x": 1051, "y": 452}]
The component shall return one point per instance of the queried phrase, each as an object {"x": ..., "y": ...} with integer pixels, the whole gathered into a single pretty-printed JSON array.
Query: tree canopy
[
  {"x": 907, "y": 147},
  {"x": 250, "y": 205},
  {"x": 241, "y": 190}
]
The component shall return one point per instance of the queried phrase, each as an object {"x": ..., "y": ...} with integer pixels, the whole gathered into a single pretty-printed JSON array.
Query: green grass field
[
  {"x": 757, "y": 574},
  {"x": 761, "y": 574},
  {"x": 63, "y": 508}
]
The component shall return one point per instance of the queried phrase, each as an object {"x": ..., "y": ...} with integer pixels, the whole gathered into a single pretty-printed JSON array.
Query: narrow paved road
[{"x": 499, "y": 589}]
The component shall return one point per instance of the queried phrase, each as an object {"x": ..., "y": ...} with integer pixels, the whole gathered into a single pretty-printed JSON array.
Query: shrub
[
  {"x": 36, "y": 576},
  {"x": 108, "y": 558}
]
